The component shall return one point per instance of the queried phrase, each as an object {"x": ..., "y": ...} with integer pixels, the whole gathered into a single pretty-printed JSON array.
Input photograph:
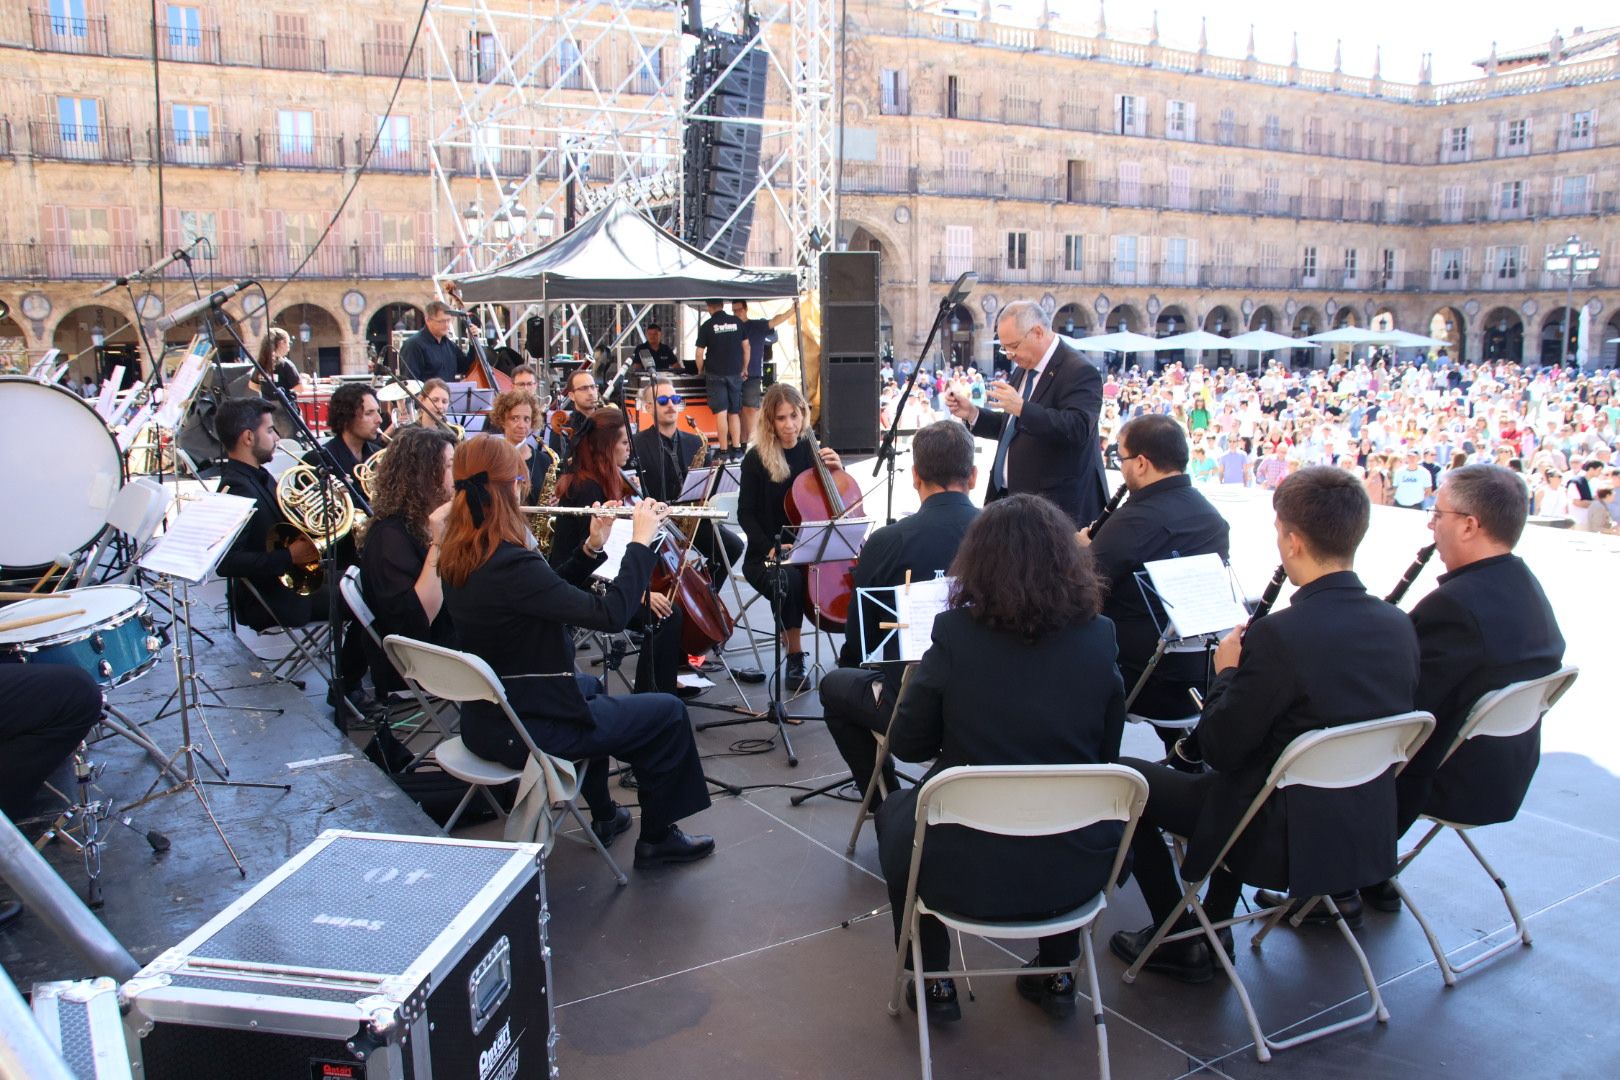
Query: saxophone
[{"x": 541, "y": 524}]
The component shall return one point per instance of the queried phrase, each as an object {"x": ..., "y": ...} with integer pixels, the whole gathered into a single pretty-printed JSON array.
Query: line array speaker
[
  {"x": 721, "y": 161},
  {"x": 849, "y": 350}
]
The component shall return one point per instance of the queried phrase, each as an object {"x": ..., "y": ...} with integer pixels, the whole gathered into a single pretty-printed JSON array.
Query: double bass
[
  {"x": 480, "y": 372},
  {"x": 823, "y": 494}
]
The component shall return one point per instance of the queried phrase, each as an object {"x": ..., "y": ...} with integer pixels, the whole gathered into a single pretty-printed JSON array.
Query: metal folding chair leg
[{"x": 1448, "y": 969}]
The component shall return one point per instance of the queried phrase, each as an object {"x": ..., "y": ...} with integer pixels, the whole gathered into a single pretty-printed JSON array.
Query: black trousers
[
  {"x": 710, "y": 538},
  {"x": 853, "y": 712},
  {"x": 649, "y": 732},
  {"x": 787, "y": 601},
  {"x": 48, "y": 710},
  {"x": 659, "y": 664},
  {"x": 1175, "y": 801}
]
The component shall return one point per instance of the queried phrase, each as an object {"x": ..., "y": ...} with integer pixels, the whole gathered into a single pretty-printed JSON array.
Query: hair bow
[{"x": 476, "y": 488}]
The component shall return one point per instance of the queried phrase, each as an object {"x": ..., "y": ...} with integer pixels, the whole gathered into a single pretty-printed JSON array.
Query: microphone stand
[{"x": 888, "y": 455}]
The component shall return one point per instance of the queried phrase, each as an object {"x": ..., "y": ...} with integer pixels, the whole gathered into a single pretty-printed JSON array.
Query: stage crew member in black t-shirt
[
  {"x": 720, "y": 360},
  {"x": 756, "y": 340},
  {"x": 653, "y": 355}
]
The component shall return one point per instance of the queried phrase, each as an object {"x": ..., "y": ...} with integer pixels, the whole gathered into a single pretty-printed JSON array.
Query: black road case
[{"x": 365, "y": 957}]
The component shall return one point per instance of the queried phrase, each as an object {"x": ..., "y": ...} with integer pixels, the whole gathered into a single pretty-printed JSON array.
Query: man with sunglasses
[{"x": 664, "y": 452}]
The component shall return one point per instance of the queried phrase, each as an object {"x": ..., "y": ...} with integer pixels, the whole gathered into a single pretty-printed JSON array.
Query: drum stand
[
  {"x": 79, "y": 825},
  {"x": 186, "y": 681}
]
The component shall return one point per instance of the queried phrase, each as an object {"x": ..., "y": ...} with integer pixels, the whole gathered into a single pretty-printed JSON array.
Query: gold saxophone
[
  {"x": 542, "y": 524},
  {"x": 323, "y": 518}
]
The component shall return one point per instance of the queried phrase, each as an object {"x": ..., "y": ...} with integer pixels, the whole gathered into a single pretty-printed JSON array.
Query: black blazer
[
  {"x": 1485, "y": 625},
  {"x": 985, "y": 697},
  {"x": 250, "y": 558},
  {"x": 1335, "y": 655},
  {"x": 1054, "y": 451},
  {"x": 664, "y": 470},
  {"x": 513, "y": 613},
  {"x": 923, "y": 543}
]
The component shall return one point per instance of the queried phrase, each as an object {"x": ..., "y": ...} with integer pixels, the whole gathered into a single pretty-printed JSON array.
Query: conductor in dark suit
[
  {"x": 1020, "y": 672},
  {"x": 1046, "y": 431},
  {"x": 915, "y": 548},
  {"x": 1335, "y": 655},
  {"x": 1486, "y": 624}
]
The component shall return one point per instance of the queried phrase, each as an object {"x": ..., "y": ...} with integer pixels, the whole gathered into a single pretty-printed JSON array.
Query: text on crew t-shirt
[{"x": 721, "y": 338}]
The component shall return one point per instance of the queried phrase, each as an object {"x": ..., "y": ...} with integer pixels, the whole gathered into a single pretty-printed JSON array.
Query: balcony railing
[
  {"x": 199, "y": 45},
  {"x": 56, "y": 33},
  {"x": 394, "y": 155},
  {"x": 865, "y": 178},
  {"x": 292, "y": 52},
  {"x": 219, "y": 149},
  {"x": 277, "y": 151},
  {"x": 79, "y": 142},
  {"x": 387, "y": 57}
]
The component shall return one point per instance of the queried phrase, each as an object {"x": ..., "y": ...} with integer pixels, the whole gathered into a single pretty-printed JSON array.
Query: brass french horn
[{"x": 325, "y": 518}]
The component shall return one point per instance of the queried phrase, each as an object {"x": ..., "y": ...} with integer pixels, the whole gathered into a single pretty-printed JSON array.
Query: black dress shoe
[
  {"x": 1382, "y": 897},
  {"x": 607, "y": 829},
  {"x": 677, "y": 847},
  {"x": 797, "y": 680},
  {"x": 1349, "y": 906},
  {"x": 750, "y": 675},
  {"x": 687, "y": 693},
  {"x": 943, "y": 1008},
  {"x": 1053, "y": 993},
  {"x": 1188, "y": 960}
]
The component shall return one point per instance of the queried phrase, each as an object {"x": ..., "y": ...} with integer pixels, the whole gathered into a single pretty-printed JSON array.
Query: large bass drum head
[{"x": 59, "y": 471}]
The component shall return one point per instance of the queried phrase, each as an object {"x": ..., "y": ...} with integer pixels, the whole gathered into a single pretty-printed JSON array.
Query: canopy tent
[{"x": 619, "y": 255}]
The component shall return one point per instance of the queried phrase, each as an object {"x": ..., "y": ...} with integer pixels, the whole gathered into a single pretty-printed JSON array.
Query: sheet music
[
  {"x": 198, "y": 537},
  {"x": 617, "y": 541},
  {"x": 109, "y": 391},
  {"x": 696, "y": 484},
  {"x": 182, "y": 384},
  {"x": 919, "y": 605},
  {"x": 1197, "y": 594}
]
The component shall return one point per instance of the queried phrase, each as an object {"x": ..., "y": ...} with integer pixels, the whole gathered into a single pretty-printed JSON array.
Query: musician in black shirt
[
  {"x": 431, "y": 353},
  {"x": 1164, "y": 517},
  {"x": 272, "y": 367},
  {"x": 663, "y": 455},
  {"x": 354, "y": 419}
]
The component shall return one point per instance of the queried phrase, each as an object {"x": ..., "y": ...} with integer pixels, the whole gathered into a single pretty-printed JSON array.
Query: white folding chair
[
  {"x": 354, "y": 598},
  {"x": 1338, "y": 757},
  {"x": 461, "y": 677},
  {"x": 133, "y": 516},
  {"x": 1512, "y": 710},
  {"x": 308, "y": 643},
  {"x": 1017, "y": 800},
  {"x": 876, "y": 783}
]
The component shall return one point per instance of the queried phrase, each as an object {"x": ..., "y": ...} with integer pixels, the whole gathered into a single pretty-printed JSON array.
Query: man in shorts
[
  {"x": 756, "y": 339},
  {"x": 721, "y": 360}
]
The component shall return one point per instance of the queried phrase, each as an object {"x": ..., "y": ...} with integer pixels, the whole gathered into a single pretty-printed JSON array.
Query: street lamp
[{"x": 1571, "y": 259}]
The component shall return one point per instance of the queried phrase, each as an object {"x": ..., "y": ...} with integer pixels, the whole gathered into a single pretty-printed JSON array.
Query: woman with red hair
[{"x": 511, "y": 609}]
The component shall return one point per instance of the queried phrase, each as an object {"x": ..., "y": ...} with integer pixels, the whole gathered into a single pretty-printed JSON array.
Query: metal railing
[
  {"x": 187, "y": 45},
  {"x": 393, "y": 155},
  {"x": 57, "y": 33},
  {"x": 79, "y": 142},
  {"x": 212, "y": 148},
  {"x": 292, "y": 52},
  {"x": 387, "y": 58},
  {"x": 277, "y": 151}
]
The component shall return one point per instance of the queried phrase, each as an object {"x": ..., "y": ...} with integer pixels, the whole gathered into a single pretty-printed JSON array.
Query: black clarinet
[
  {"x": 1108, "y": 511},
  {"x": 1425, "y": 553},
  {"x": 1186, "y": 755}
]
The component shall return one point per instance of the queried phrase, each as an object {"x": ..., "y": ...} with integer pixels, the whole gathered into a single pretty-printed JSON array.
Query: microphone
[
  {"x": 156, "y": 268},
  {"x": 458, "y": 313},
  {"x": 207, "y": 303}
]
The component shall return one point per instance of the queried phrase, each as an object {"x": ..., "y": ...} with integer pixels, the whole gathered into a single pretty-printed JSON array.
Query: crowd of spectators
[{"x": 1398, "y": 425}]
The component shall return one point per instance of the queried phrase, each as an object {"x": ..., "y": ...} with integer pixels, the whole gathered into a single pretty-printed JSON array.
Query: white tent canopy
[
  {"x": 1262, "y": 341},
  {"x": 1120, "y": 341},
  {"x": 1194, "y": 339}
]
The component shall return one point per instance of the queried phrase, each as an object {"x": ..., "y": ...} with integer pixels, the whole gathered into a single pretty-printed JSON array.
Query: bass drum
[{"x": 62, "y": 469}]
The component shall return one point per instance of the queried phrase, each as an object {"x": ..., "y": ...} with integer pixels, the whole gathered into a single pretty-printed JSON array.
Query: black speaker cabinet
[{"x": 849, "y": 351}]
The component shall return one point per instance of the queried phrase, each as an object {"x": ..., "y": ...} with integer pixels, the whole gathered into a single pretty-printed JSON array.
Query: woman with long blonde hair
[
  {"x": 778, "y": 453},
  {"x": 511, "y": 608}
]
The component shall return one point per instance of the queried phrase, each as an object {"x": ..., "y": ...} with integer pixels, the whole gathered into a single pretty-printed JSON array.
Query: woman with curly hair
[
  {"x": 512, "y": 609},
  {"x": 399, "y": 558},
  {"x": 512, "y": 416},
  {"x": 596, "y": 475},
  {"x": 1021, "y": 671}
]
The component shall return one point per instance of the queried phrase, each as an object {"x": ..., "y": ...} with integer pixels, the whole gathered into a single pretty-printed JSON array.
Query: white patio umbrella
[
  {"x": 1405, "y": 339},
  {"x": 1127, "y": 341},
  {"x": 1350, "y": 335},
  {"x": 1194, "y": 339},
  {"x": 1262, "y": 341}
]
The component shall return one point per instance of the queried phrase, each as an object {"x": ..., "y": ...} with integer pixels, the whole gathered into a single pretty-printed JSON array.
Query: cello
[{"x": 823, "y": 494}]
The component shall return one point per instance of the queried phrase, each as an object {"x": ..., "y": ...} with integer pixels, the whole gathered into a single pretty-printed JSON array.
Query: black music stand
[{"x": 818, "y": 542}]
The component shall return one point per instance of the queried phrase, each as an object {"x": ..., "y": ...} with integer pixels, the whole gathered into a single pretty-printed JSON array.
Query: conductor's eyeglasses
[{"x": 669, "y": 399}]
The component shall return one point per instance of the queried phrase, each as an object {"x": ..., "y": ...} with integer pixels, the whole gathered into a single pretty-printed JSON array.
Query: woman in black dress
[
  {"x": 778, "y": 454},
  {"x": 596, "y": 475},
  {"x": 512, "y": 610},
  {"x": 1021, "y": 671},
  {"x": 399, "y": 557}
]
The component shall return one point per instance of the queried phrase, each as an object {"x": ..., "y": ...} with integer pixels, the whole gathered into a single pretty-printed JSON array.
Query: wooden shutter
[
  {"x": 58, "y": 253},
  {"x": 275, "y": 242},
  {"x": 232, "y": 259}
]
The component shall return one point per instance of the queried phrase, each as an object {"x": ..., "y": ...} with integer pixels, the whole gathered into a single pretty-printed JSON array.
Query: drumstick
[
  {"x": 62, "y": 563},
  {"x": 35, "y": 620}
]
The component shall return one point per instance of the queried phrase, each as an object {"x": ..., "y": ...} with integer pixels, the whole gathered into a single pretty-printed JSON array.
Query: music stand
[
  {"x": 818, "y": 542},
  {"x": 1196, "y": 592}
]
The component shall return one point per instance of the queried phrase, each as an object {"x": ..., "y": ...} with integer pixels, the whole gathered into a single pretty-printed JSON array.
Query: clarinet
[
  {"x": 1108, "y": 511},
  {"x": 1186, "y": 755},
  {"x": 1425, "y": 553}
]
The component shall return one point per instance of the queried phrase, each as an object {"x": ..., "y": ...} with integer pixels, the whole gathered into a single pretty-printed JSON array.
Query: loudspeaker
[
  {"x": 849, "y": 350},
  {"x": 722, "y": 159}
]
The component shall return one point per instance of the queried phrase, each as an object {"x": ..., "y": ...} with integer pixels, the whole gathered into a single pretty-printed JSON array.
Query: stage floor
[{"x": 738, "y": 966}]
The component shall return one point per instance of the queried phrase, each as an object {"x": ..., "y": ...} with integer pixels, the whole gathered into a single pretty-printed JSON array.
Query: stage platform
[{"x": 738, "y": 967}]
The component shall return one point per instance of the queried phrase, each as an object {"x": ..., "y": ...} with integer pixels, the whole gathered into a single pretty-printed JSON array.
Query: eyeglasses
[
  {"x": 1436, "y": 512},
  {"x": 669, "y": 399}
]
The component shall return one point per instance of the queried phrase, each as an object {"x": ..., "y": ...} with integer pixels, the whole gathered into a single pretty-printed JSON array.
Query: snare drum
[{"x": 114, "y": 640}]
